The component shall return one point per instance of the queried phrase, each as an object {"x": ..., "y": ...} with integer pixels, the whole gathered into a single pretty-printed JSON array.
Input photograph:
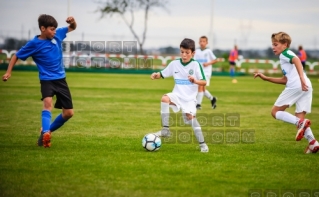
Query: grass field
[{"x": 99, "y": 153}]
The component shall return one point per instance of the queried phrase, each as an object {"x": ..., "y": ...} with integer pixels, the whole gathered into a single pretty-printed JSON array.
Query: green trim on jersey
[
  {"x": 185, "y": 64},
  {"x": 201, "y": 70},
  {"x": 290, "y": 57},
  {"x": 161, "y": 74},
  {"x": 203, "y": 49}
]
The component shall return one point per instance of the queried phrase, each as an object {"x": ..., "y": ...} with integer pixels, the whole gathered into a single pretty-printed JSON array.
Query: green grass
[{"x": 99, "y": 153}]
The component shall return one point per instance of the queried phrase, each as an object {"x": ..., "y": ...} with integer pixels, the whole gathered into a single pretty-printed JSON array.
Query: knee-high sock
[
  {"x": 199, "y": 97},
  {"x": 232, "y": 72},
  {"x": 208, "y": 95},
  {"x": 46, "y": 119},
  {"x": 309, "y": 135},
  {"x": 57, "y": 123},
  {"x": 165, "y": 114},
  {"x": 287, "y": 117},
  {"x": 197, "y": 130}
]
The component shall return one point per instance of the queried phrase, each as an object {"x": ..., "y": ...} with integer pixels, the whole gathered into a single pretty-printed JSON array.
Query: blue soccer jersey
[{"x": 47, "y": 54}]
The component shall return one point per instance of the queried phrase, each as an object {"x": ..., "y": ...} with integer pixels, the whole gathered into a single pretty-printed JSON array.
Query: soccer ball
[{"x": 151, "y": 142}]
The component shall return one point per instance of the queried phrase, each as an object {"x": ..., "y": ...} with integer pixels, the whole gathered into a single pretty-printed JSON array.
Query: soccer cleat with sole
[
  {"x": 198, "y": 106},
  {"x": 164, "y": 132},
  {"x": 46, "y": 140},
  {"x": 204, "y": 148},
  {"x": 302, "y": 126},
  {"x": 313, "y": 147},
  {"x": 213, "y": 102}
]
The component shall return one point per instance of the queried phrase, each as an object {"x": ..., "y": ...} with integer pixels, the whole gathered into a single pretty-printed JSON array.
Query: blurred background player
[
  {"x": 302, "y": 56},
  {"x": 187, "y": 74},
  {"x": 298, "y": 90},
  {"x": 206, "y": 58},
  {"x": 233, "y": 56}
]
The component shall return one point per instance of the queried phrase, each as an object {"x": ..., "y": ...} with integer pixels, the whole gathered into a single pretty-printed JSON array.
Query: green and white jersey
[
  {"x": 290, "y": 71},
  {"x": 203, "y": 56},
  {"x": 180, "y": 71}
]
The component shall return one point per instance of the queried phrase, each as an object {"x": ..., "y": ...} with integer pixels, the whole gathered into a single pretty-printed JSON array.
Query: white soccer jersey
[
  {"x": 183, "y": 88},
  {"x": 203, "y": 56},
  {"x": 290, "y": 71}
]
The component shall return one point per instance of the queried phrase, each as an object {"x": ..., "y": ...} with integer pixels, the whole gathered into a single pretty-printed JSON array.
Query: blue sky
[{"x": 248, "y": 23}]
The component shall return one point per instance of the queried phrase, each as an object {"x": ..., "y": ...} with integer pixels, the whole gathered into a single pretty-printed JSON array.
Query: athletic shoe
[
  {"x": 164, "y": 132},
  {"x": 46, "y": 139},
  {"x": 313, "y": 147},
  {"x": 198, "y": 106},
  {"x": 302, "y": 126},
  {"x": 214, "y": 101},
  {"x": 204, "y": 148},
  {"x": 40, "y": 139}
]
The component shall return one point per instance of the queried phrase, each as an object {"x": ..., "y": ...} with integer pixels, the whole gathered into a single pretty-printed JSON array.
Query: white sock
[
  {"x": 197, "y": 130},
  {"x": 200, "y": 96},
  {"x": 165, "y": 114},
  {"x": 309, "y": 135},
  {"x": 287, "y": 117},
  {"x": 208, "y": 95}
]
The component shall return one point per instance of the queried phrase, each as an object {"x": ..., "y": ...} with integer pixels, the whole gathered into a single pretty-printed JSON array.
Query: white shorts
[
  {"x": 207, "y": 76},
  {"x": 301, "y": 98},
  {"x": 187, "y": 107}
]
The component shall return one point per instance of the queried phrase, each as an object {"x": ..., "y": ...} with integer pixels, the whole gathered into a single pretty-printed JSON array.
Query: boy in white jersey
[
  {"x": 298, "y": 91},
  {"x": 206, "y": 58},
  {"x": 188, "y": 74}
]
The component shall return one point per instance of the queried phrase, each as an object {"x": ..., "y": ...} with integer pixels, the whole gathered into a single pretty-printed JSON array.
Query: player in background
[
  {"x": 302, "y": 56},
  {"x": 298, "y": 90},
  {"x": 187, "y": 74},
  {"x": 233, "y": 56},
  {"x": 206, "y": 58},
  {"x": 46, "y": 51}
]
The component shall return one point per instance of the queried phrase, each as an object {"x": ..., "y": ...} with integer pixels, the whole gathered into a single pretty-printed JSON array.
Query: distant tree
[{"x": 123, "y": 8}]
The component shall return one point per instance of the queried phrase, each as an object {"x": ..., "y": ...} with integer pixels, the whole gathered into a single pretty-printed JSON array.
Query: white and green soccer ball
[{"x": 151, "y": 142}]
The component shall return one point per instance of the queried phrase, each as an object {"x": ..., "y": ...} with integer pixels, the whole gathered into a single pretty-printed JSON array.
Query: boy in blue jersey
[
  {"x": 46, "y": 51},
  {"x": 298, "y": 91}
]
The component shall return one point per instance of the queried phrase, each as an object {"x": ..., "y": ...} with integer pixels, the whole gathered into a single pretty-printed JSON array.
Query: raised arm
[
  {"x": 13, "y": 61},
  {"x": 277, "y": 80},
  {"x": 70, "y": 20}
]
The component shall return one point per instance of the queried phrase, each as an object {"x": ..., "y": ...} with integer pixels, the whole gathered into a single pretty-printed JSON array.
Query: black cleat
[
  {"x": 214, "y": 101},
  {"x": 198, "y": 106}
]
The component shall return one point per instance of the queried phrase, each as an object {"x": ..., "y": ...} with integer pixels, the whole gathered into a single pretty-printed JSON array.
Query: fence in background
[{"x": 101, "y": 60}]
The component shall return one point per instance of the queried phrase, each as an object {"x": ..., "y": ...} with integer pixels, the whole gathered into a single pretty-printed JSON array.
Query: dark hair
[
  {"x": 47, "y": 21},
  {"x": 188, "y": 44},
  {"x": 300, "y": 47},
  {"x": 204, "y": 37}
]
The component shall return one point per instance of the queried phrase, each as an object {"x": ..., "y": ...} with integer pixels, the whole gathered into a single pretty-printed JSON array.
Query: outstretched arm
[
  {"x": 282, "y": 80},
  {"x": 13, "y": 61},
  {"x": 156, "y": 75},
  {"x": 70, "y": 20}
]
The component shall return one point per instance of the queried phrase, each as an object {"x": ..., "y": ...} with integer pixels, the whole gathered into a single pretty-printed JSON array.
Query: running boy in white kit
[
  {"x": 188, "y": 74},
  {"x": 206, "y": 57},
  {"x": 298, "y": 90}
]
